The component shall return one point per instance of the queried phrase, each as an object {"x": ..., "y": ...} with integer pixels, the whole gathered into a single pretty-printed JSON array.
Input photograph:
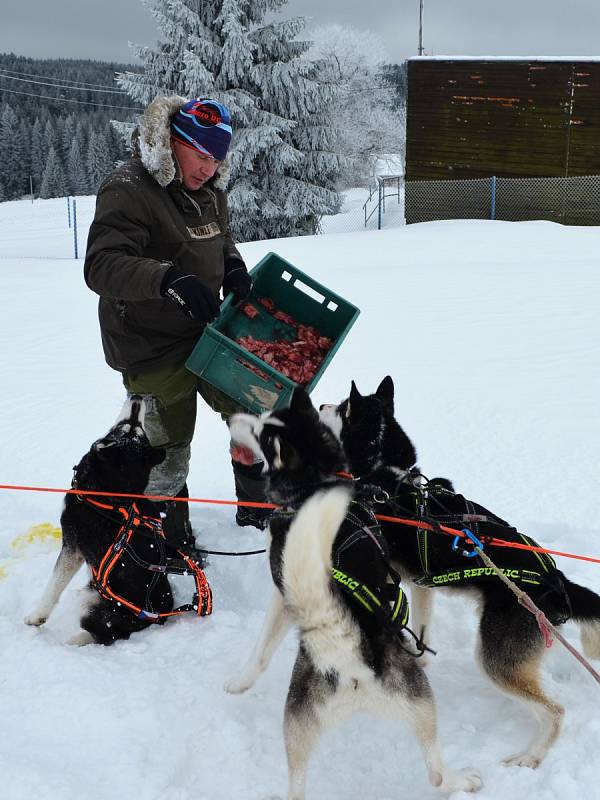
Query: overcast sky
[{"x": 101, "y": 30}]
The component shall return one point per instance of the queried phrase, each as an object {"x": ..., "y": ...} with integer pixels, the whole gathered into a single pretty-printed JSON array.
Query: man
[{"x": 159, "y": 251}]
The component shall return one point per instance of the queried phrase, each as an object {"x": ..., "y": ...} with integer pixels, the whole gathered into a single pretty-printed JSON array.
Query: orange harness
[{"x": 134, "y": 523}]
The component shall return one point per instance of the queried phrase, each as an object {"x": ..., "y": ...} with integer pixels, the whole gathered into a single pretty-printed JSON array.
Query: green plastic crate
[{"x": 224, "y": 364}]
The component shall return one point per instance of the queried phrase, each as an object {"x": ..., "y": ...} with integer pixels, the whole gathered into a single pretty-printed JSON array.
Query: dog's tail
[
  {"x": 326, "y": 628},
  {"x": 586, "y": 610}
]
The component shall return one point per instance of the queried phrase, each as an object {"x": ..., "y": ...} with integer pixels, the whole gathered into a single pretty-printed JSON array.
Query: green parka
[{"x": 146, "y": 220}]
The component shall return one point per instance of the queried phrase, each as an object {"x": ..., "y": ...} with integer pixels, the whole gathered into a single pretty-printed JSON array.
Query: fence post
[
  {"x": 493, "y": 198},
  {"x": 75, "y": 225},
  {"x": 379, "y": 208},
  {"x": 68, "y": 211}
]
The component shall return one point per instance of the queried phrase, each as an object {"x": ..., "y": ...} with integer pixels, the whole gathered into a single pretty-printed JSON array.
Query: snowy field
[{"x": 491, "y": 333}]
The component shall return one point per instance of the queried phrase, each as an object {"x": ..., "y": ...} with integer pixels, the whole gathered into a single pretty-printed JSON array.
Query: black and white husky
[
  {"x": 325, "y": 548},
  {"x": 121, "y": 462},
  {"x": 510, "y": 644}
]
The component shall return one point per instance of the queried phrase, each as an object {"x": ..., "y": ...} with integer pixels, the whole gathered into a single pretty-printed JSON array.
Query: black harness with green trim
[
  {"x": 452, "y": 562},
  {"x": 361, "y": 567}
]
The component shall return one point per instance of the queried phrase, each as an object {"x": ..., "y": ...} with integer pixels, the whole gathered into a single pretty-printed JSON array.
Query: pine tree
[
  {"x": 11, "y": 169},
  {"x": 83, "y": 134},
  {"x": 116, "y": 144},
  {"x": 54, "y": 181},
  {"x": 68, "y": 134},
  {"x": 59, "y": 127},
  {"x": 76, "y": 169},
  {"x": 50, "y": 138},
  {"x": 164, "y": 68},
  {"x": 99, "y": 160},
  {"x": 285, "y": 156},
  {"x": 38, "y": 154},
  {"x": 23, "y": 151},
  {"x": 352, "y": 60},
  {"x": 2, "y": 192}
]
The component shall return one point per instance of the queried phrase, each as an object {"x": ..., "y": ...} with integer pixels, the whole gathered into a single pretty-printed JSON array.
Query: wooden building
[
  {"x": 477, "y": 127},
  {"x": 506, "y": 117}
]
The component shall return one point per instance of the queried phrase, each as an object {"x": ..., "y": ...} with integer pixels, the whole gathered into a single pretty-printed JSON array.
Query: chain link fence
[
  {"x": 379, "y": 205},
  {"x": 570, "y": 201}
]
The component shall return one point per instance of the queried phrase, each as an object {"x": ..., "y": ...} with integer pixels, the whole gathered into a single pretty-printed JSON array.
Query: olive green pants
[{"x": 170, "y": 395}]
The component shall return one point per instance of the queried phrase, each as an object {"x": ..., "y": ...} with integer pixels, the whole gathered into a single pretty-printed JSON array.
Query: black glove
[
  {"x": 191, "y": 295},
  {"x": 236, "y": 280}
]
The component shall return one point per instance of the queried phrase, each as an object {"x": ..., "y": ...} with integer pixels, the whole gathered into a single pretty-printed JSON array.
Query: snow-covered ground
[{"x": 491, "y": 333}]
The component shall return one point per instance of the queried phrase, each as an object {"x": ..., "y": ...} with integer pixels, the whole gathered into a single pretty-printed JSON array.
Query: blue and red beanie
[{"x": 204, "y": 125}]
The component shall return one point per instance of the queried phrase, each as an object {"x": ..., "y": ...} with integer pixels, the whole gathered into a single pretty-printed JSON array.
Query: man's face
[{"x": 196, "y": 168}]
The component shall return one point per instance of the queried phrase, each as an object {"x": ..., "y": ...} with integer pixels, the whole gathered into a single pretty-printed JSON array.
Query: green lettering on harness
[
  {"x": 397, "y": 614},
  {"x": 474, "y": 573},
  {"x": 446, "y": 577},
  {"x": 344, "y": 579}
]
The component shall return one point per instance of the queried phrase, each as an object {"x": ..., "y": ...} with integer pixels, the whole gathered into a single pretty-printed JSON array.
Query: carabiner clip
[
  {"x": 475, "y": 541},
  {"x": 381, "y": 497}
]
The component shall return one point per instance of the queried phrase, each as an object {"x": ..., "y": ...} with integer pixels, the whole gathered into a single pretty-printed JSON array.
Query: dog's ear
[
  {"x": 385, "y": 392},
  {"x": 301, "y": 403},
  {"x": 355, "y": 404},
  {"x": 354, "y": 393}
]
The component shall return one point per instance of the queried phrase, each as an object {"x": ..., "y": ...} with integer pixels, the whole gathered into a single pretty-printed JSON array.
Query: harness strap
[
  {"x": 394, "y": 610},
  {"x": 545, "y": 577},
  {"x": 396, "y": 613},
  {"x": 461, "y": 574},
  {"x": 134, "y": 522}
]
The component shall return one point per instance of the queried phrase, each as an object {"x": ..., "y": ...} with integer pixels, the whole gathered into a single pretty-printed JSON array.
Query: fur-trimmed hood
[{"x": 151, "y": 140}]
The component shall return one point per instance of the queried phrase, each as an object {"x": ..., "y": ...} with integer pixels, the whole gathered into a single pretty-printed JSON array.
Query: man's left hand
[{"x": 236, "y": 281}]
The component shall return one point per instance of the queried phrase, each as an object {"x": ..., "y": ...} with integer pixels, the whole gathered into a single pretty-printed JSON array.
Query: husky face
[
  {"x": 122, "y": 459},
  {"x": 290, "y": 440},
  {"x": 369, "y": 433}
]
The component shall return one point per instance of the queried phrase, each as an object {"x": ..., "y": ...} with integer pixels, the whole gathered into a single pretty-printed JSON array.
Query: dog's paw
[
  {"x": 527, "y": 759},
  {"x": 81, "y": 639},
  {"x": 35, "y": 619},
  {"x": 239, "y": 684},
  {"x": 462, "y": 780}
]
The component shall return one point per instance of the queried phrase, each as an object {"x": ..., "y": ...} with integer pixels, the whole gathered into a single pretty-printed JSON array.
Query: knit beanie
[{"x": 204, "y": 125}]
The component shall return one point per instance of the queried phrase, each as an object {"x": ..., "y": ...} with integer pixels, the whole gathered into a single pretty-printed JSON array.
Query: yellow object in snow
[
  {"x": 37, "y": 533},
  {"x": 3, "y": 572}
]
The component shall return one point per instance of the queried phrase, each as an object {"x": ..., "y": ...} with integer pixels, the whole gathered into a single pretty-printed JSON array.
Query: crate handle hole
[
  {"x": 309, "y": 291},
  {"x": 331, "y": 306},
  {"x": 286, "y": 276}
]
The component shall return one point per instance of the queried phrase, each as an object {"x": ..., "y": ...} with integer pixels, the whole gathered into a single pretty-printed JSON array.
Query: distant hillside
[
  {"x": 55, "y": 124},
  {"x": 62, "y": 85}
]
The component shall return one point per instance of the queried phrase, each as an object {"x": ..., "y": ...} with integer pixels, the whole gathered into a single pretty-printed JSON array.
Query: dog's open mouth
[{"x": 243, "y": 455}]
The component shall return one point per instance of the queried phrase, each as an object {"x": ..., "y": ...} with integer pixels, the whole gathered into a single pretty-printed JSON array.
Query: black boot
[
  {"x": 176, "y": 522},
  {"x": 250, "y": 486}
]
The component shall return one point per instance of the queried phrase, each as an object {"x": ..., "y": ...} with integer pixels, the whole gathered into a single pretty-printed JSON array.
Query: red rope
[
  {"x": 496, "y": 542},
  {"x": 248, "y": 503},
  {"x": 163, "y": 497}
]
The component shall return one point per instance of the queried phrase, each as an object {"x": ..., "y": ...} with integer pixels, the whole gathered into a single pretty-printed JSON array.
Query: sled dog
[
  {"x": 510, "y": 645},
  {"x": 121, "y": 540},
  {"x": 331, "y": 577}
]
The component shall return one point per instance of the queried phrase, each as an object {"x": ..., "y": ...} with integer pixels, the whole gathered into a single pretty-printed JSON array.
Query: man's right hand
[{"x": 189, "y": 293}]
